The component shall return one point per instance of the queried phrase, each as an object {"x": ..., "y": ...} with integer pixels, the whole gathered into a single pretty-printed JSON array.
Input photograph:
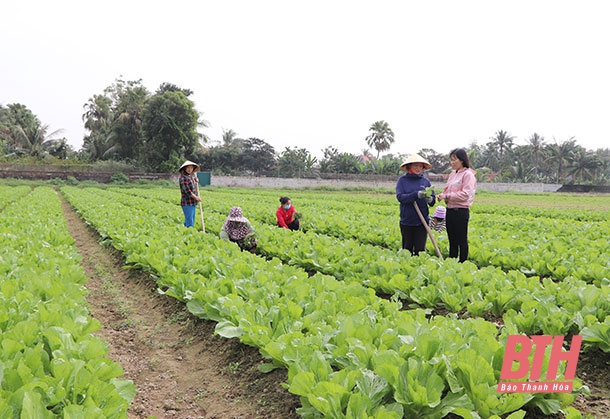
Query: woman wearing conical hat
[
  {"x": 410, "y": 188},
  {"x": 188, "y": 189}
]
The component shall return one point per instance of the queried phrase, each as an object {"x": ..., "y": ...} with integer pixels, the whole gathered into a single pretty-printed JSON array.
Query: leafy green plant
[{"x": 119, "y": 178}]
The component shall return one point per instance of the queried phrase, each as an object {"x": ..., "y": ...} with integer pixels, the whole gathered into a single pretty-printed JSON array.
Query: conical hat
[
  {"x": 416, "y": 158},
  {"x": 189, "y": 163}
]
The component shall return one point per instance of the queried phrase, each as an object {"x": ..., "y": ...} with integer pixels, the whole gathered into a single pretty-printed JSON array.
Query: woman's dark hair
[
  {"x": 284, "y": 200},
  {"x": 461, "y": 155}
]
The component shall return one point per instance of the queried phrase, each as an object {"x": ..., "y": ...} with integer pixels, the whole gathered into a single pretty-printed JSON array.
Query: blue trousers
[{"x": 189, "y": 215}]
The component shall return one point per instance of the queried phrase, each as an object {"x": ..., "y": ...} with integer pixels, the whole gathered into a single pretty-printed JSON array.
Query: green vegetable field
[{"x": 363, "y": 329}]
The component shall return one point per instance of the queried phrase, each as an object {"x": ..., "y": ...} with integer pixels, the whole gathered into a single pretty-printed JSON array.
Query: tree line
[{"x": 157, "y": 131}]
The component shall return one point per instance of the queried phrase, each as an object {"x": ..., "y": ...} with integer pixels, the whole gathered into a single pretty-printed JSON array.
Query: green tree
[
  {"x": 59, "y": 148},
  {"x": 100, "y": 142},
  {"x": 336, "y": 162},
  {"x": 438, "y": 162},
  {"x": 25, "y": 133},
  {"x": 114, "y": 121},
  {"x": 347, "y": 163},
  {"x": 536, "y": 145},
  {"x": 5, "y": 130},
  {"x": 257, "y": 156},
  {"x": 387, "y": 165},
  {"x": 328, "y": 162},
  {"x": 584, "y": 165},
  {"x": 169, "y": 124},
  {"x": 100, "y": 146},
  {"x": 229, "y": 136},
  {"x": 561, "y": 154},
  {"x": 602, "y": 173},
  {"x": 476, "y": 154},
  {"x": 130, "y": 99},
  {"x": 16, "y": 118},
  {"x": 35, "y": 140},
  {"x": 535, "y": 152},
  {"x": 295, "y": 162},
  {"x": 500, "y": 149},
  {"x": 381, "y": 136}
]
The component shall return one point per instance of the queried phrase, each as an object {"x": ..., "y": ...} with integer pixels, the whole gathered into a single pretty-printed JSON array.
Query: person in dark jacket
[{"x": 412, "y": 187}]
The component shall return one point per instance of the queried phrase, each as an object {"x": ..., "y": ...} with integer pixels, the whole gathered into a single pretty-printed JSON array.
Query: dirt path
[{"x": 180, "y": 368}]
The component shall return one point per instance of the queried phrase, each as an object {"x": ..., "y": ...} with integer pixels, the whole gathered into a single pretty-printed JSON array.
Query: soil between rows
[{"x": 181, "y": 369}]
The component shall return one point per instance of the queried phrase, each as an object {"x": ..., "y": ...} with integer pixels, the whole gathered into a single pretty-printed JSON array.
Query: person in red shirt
[{"x": 286, "y": 215}]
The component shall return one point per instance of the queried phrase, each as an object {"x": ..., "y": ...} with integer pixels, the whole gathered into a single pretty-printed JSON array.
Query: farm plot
[
  {"x": 549, "y": 242},
  {"x": 312, "y": 308},
  {"x": 51, "y": 365},
  {"x": 425, "y": 282},
  {"x": 571, "y": 306},
  {"x": 240, "y": 309}
]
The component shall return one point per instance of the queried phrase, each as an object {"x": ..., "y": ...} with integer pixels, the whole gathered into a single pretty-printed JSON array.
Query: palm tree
[
  {"x": 502, "y": 143},
  {"x": 5, "y": 129},
  {"x": 381, "y": 136},
  {"x": 584, "y": 165},
  {"x": 98, "y": 119},
  {"x": 34, "y": 139},
  {"x": 228, "y": 136},
  {"x": 536, "y": 146},
  {"x": 102, "y": 146},
  {"x": 562, "y": 153},
  {"x": 98, "y": 113}
]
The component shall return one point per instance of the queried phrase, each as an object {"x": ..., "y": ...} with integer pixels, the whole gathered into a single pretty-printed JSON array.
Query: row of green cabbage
[
  {"x": 10, "y": 194},
  {"x": 51, "y": 365},
  {"x": 551, "y": 246},
  {"x": 526, "y": 304},
  {"x": 349, "y": 353},
  {"x": 539, "y": 205}
]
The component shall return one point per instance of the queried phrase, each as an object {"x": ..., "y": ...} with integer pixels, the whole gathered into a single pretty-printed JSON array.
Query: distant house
[
  {"x": 438, "y": 177},
  {"x": 365, "y": 159}
]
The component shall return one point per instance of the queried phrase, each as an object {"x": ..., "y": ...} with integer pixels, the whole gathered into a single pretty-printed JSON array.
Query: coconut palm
[
  {"x": 102, "y": 146},
  {"x": 584, "y": 165},
  {"x": 229, "y": 136},
  {"x": 502, "y": 144},
  {"x": 535, "y": 149},
  {"x": 561, "y": 154},
  {"x": 34, "y": 139},
  {"x": 98, "y": 113},
  {"x": 381, "y": 136}
]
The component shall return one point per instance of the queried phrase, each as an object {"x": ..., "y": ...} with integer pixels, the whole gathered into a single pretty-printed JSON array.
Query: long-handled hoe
[
  {"x": 201, "y": 210},
  {"x": 423, "y": 221}
]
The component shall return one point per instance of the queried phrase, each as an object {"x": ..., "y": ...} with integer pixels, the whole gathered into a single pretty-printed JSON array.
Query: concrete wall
[
  {"x": 101, "y": 177},
  {"x": 248, "y": 182},
  {"x": 50, "y": 172}
]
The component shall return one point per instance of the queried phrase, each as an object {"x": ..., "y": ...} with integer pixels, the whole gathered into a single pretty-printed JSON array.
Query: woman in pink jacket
[{"x": 459, "y": 196}]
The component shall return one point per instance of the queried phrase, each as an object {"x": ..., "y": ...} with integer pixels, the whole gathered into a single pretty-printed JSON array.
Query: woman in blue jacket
[{"x": 410, "y": 188}]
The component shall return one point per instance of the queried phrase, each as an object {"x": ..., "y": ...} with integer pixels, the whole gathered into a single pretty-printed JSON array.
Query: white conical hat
[
  {"x": 189, "y": 163},
  {"x": 416, "y": 158}
]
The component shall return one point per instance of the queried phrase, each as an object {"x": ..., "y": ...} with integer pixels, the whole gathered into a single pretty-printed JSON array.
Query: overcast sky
[{"x": 443, "y": 74}]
